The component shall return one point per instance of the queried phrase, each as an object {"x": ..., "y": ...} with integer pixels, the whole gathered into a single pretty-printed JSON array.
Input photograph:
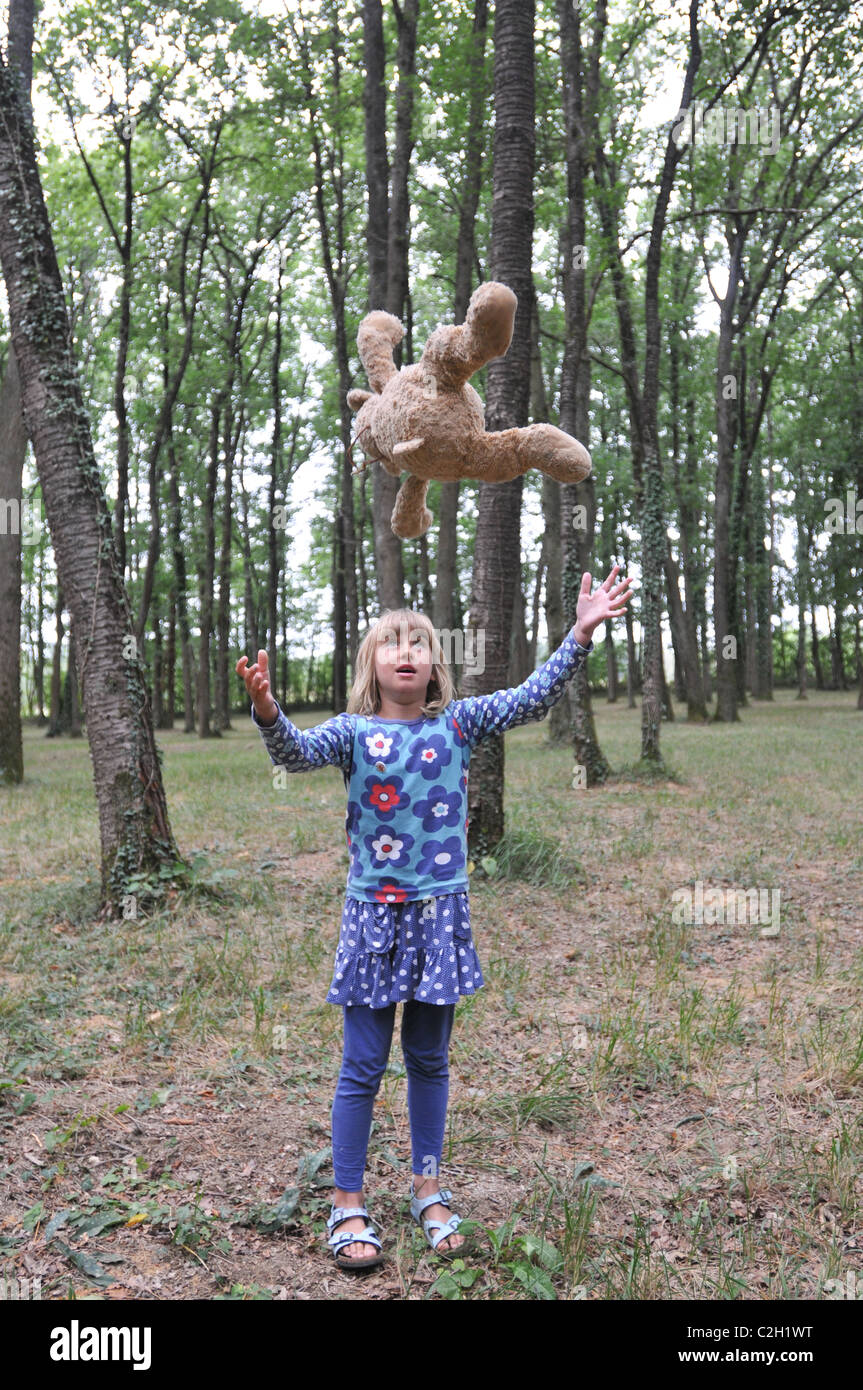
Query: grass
[{"x": 641, "y": 1105}]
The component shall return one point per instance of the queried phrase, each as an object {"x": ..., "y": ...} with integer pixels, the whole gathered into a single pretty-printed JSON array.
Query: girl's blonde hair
[{"x": 365, "y": 693}]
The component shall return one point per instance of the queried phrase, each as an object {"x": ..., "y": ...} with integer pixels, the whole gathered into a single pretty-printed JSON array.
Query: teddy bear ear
[{"x": 358, "y": 398}]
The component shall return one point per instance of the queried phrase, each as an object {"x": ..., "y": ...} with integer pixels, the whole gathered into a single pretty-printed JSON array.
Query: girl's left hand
[{"x": 609, "y": 600}]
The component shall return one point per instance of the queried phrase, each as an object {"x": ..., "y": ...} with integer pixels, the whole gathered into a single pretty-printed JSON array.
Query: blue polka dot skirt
[{"x": 390, "y": 952}]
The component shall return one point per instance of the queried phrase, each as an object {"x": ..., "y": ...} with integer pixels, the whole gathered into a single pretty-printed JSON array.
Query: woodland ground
[{"x": 638, "y": 1108}]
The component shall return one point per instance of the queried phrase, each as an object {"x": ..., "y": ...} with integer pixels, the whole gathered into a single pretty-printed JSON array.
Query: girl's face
[{"x": 403, "y": 663}]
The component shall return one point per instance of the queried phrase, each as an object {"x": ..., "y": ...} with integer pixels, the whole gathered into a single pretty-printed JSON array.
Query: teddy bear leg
[
  {"x": 411, "y": 517},
  {"x": 554, "y": 453},
  {"x": 502, "y": 455},
  {"x": 496, "y": 457}
]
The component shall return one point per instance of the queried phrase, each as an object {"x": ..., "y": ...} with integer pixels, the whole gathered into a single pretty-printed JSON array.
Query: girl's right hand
[{"x": 258, "y": 685}]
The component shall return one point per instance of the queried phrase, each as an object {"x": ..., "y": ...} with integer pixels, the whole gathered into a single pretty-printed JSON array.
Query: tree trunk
[
  {"x": 816, "y": 653},
  {"x": 179, "y": 555},
  {"x": 277, "y": 488},
  {"x": 55, "y": 716},
  {"x": 158, "y": 682},
  {"x": 389, "y": 564},
  {"x": 507, "y": 395},
  {"x": 765, "y": 583},
  {"x": 223, "y": 611},
  {"x": 39, "y": 663},
  {"x": 632, "y": 683},
  {"x": 208, "y": 526},
  {"x": 836, "y": 654},
  {"x": 519, "y": 668},
  {"x": 683, "y": 627},
  {"x": 802, "y": 595},
  {"x": 169, "y": 709},
  {"x": 578, "y": 500},
  {"x": 727, "y": 654},
  {"x": 135, "y": 832},
  {"x": 13, "y": 451},
  {"x": 444, "y": 614}
]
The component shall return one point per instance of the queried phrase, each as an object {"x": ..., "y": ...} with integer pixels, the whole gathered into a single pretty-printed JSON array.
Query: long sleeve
[
  {"x": 478, "y": 716},
  {"x": 299, "y": 750}
]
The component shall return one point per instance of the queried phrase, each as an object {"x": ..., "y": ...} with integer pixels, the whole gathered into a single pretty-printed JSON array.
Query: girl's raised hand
[
  {"x": 257, "y": 680},
  {"x": 609, "y": 600}
]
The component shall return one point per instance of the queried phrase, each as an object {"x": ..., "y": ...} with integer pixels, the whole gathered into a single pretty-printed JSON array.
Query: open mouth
[{"x": 405, "y": 671}]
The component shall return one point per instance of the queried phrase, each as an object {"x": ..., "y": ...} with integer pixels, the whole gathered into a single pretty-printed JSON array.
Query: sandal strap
[
  {"x": 437, "y": 1231},
  {"x": 339, "y": 1214},
  {"x": 342, "y": 1238},
  {"x": 419, "y": 1204}
]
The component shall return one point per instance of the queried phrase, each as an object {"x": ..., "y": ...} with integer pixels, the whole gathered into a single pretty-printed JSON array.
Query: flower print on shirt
[
  {"x": 389, "y": 892},
  {"x": 443, "y": 859},
  {"x": 388, "y": 850},
  {"x": 379, "y": 747},
  {"x": 385, "y": 795},
  {"x": 439, "y": 808},
  {"x": 429, "y": 756}
]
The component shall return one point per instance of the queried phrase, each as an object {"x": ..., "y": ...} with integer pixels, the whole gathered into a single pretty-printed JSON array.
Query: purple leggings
[{"x": 425, "y": 1038}]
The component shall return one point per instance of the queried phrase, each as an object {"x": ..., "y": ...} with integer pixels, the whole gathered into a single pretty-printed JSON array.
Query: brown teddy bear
[{"x": 428, "y": 420}]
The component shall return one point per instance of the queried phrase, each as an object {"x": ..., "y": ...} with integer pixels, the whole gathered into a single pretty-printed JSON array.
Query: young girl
[{"x": 404, "y": 746}]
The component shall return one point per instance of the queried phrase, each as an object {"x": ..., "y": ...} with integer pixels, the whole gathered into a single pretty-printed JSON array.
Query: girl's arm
[
  {"x": 289, "y": 747},
  {"x": 479, "y": 716},
  {"x": 299, "y": 750}
]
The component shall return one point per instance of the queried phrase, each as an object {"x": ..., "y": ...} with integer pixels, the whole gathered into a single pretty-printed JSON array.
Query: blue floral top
[{"x": 406, "y": 923}]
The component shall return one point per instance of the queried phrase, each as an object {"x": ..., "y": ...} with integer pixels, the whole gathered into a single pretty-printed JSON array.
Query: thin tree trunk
[
  {"x": 55, "y": 717},
  {"x": 578, "y": 500},
  {"x": 208, "y": 526},
  {"x": 277, "y": 489},
  {"x": 816, "y": 653},
  {"x": 444, "y": 616},
  {"x": 223, "y": 612},
  {"x": 631, "y": 659},
  {"x": 158, "y": 670},
  {"x": 335, "y": 254},
  {"x": 389, "y": 564},
  {"x": 519, "y": 669},
  {"x": 507, "y": 395},
  {"x": 39, "y": 663},
  {"x": 179, "y": 556},
  {"x": 169, "y": 710},
  {"x": 13, "y": 451},
  {"x": 765, "y": 583}
]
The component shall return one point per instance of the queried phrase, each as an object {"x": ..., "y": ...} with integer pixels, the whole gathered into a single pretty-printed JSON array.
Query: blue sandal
[
  {"x": 435, "y": 1230},
  {"x": 339, "y": 1239}
]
